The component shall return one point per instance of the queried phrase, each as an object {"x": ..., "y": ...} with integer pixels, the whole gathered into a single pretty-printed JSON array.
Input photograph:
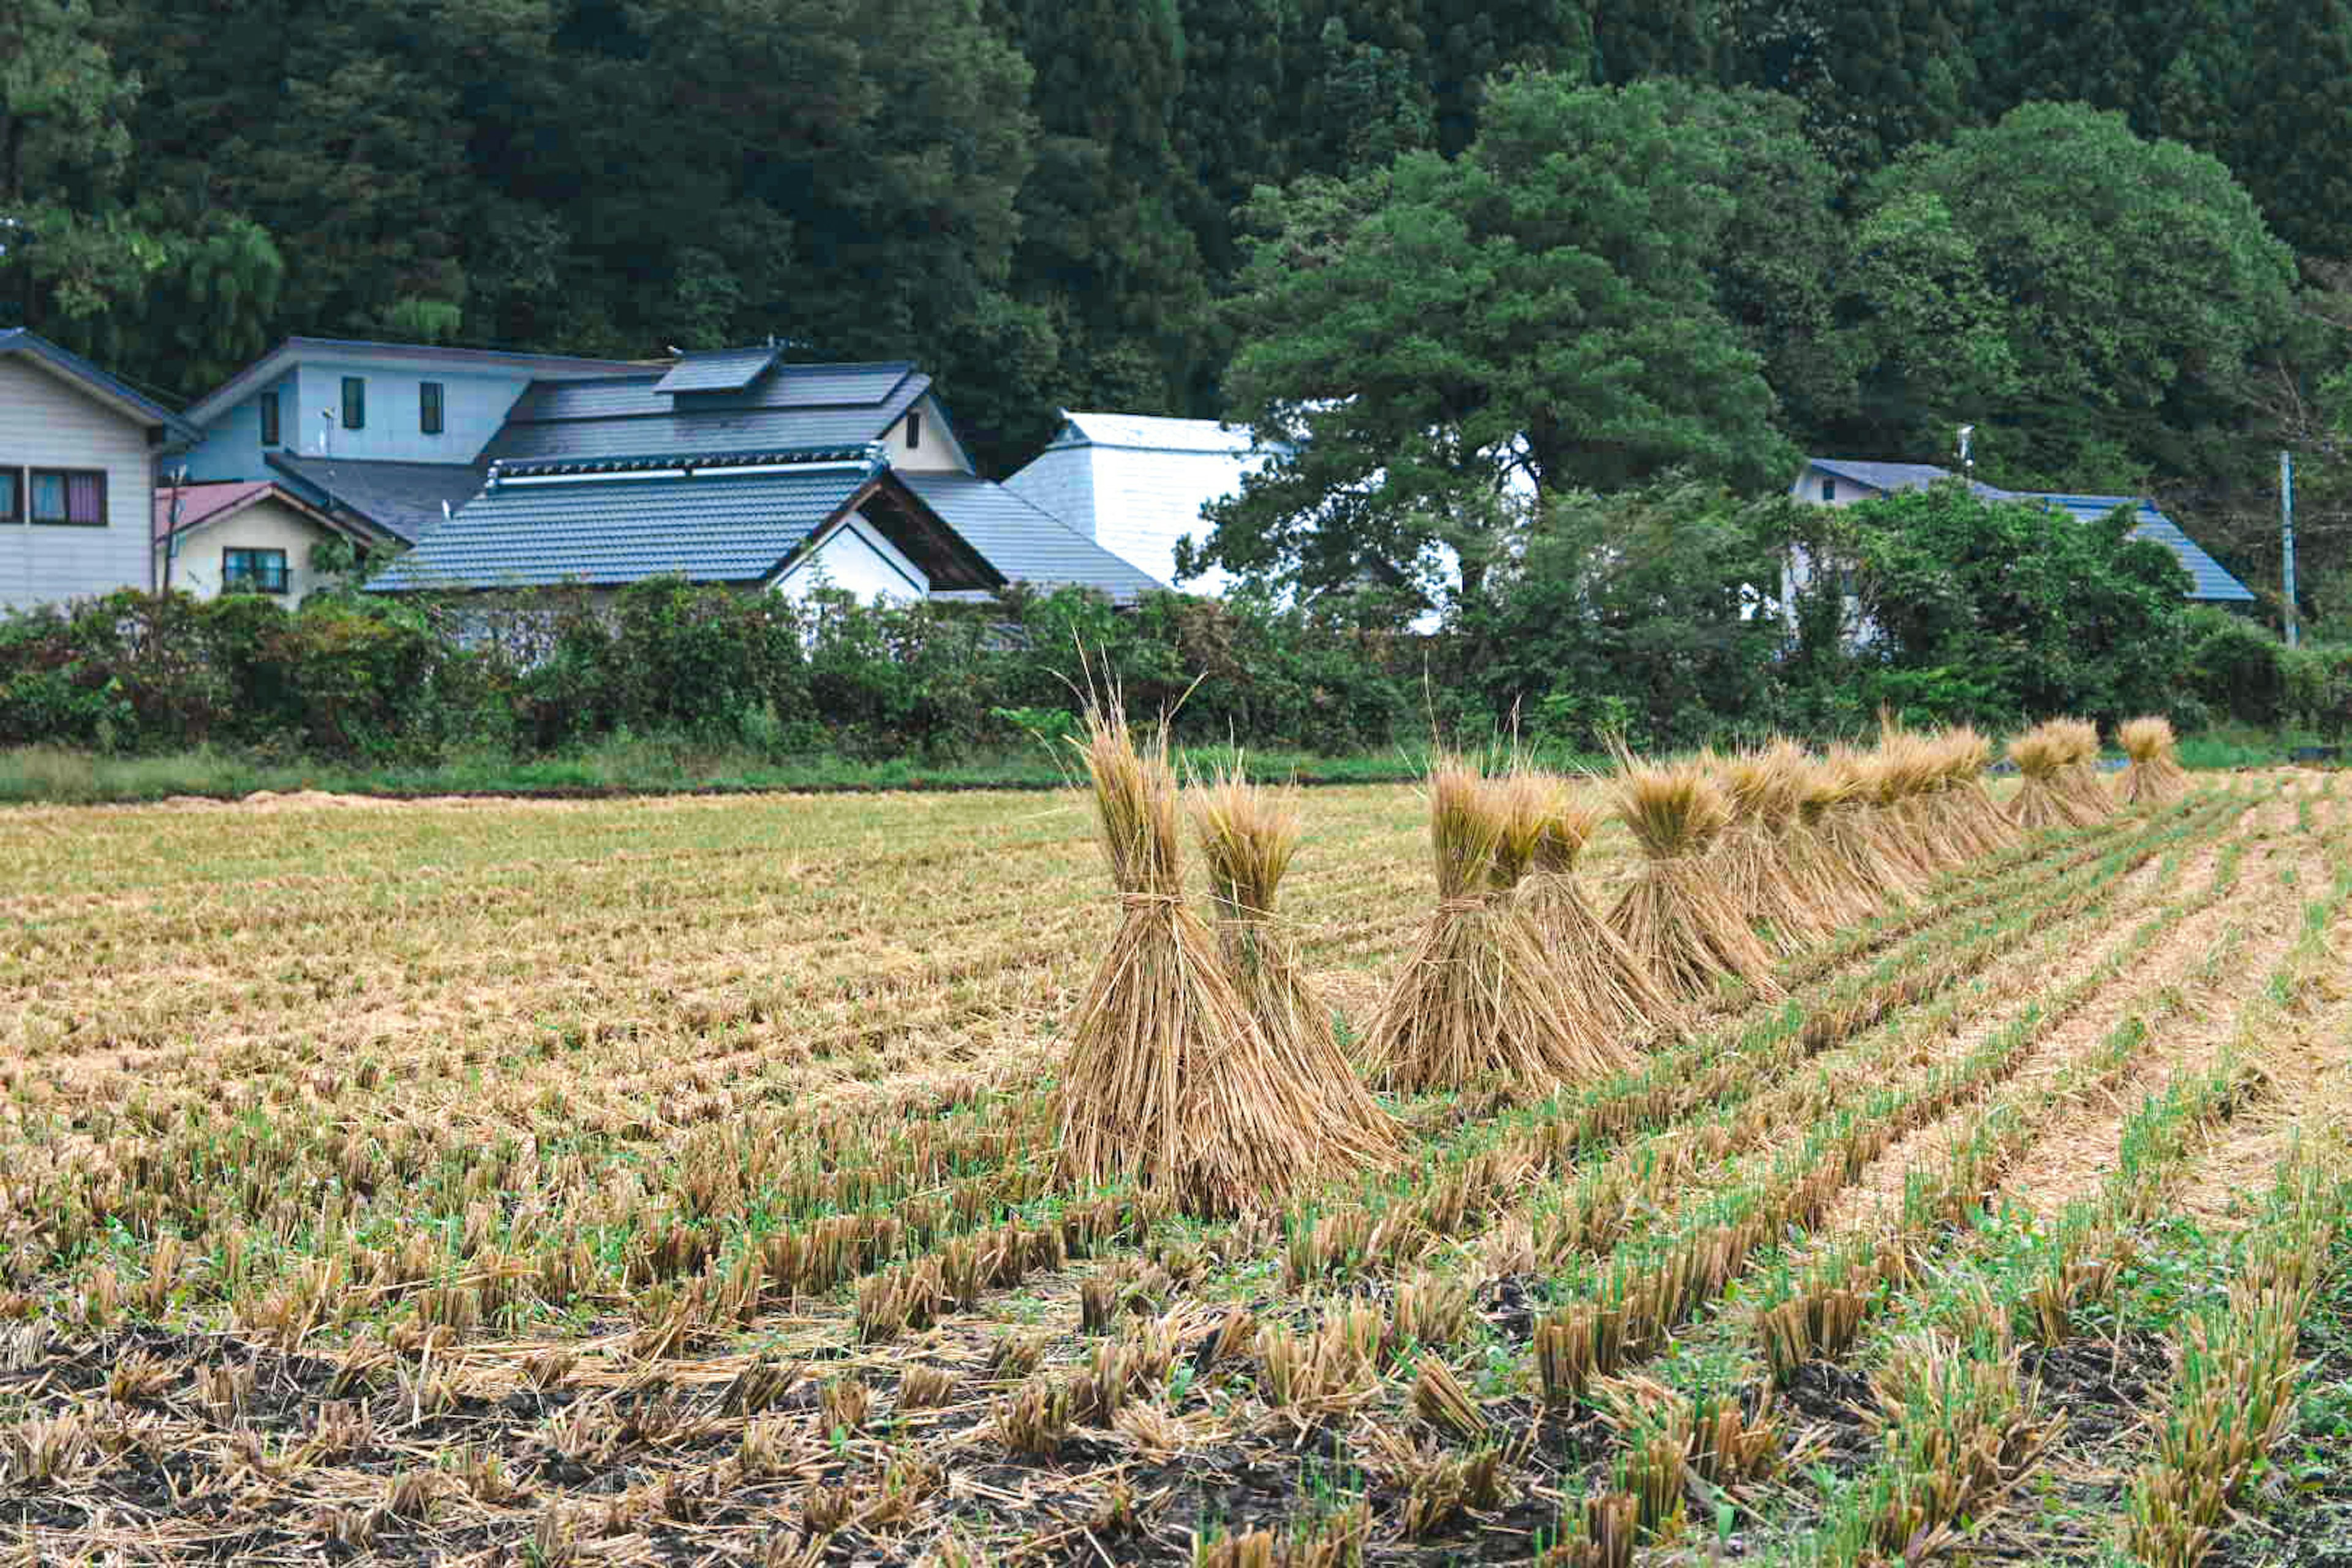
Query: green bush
[{"x": 2233, "y": 667}]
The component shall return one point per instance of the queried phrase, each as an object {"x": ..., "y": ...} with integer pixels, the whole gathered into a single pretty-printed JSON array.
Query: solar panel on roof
[{"x": 730, "y": 371}]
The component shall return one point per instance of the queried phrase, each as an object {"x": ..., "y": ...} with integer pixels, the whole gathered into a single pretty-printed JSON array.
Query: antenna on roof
[{"x": 444, "y": 509}]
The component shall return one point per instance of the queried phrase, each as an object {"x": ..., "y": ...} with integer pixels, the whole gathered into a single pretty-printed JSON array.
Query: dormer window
[{"x": 914, "y": 431}]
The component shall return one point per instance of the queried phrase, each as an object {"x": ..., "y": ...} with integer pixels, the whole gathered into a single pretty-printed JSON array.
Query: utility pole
[{"x": 2286, "y": 538}]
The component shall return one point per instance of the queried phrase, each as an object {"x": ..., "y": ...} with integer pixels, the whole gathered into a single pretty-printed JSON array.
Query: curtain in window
[
  {"x": 48, "y": 497},
  {"x": 85, "y": 498}
]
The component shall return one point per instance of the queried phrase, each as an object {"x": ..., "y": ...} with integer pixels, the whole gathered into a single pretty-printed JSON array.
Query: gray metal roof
[
  {"x": 1025, "y": 543},
  {"x": 792, "y": 405},
  {"x": 729, "y": 370},
  {"x": 2209, "y": 580},
  {"x": 402, "y": 499},
  {"x": 126, "y": 399}
]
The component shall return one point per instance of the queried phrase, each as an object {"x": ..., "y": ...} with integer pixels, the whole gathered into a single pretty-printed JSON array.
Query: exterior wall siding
[
  {"x": 232, "y": 448},
  {"x": 474, "y": 406},
  {"x": 46, "y": 423},
  {"x": 938, "y": 453},
  {"x": 855, "y": 558},
  {"x": 196, "y": 565}
]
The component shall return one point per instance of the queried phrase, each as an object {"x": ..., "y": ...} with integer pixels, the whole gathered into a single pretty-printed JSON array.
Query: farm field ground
[{"x": 670, "y": 1181}]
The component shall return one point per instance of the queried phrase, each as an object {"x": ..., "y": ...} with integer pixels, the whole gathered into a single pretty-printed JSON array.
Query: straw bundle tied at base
[
  {"x": 2079, "y": 778},
  {"x": 1676, "y": 917},
  {"x": 1602, "y": 978},
  {"x": 1477, "y": 998},
  {"x": 1169, "y": 1083},
  {"x": 1850, "y": 826},
  {"x": 2154, "y": 773},
  {"x": 1977, "y": 820},
  {"x": 1247, "y": 836},
  {"x": 1752, "y": 860},
  {"x": 1823, "y": 878},
  {"x": 2041, "y": 755}
]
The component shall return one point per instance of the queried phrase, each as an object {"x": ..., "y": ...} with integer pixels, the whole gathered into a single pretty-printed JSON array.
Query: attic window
[
  {"x": 269, "y": 432},
  {"x": 914, "y": 431},
  {"x": 1828, "y": 489}
]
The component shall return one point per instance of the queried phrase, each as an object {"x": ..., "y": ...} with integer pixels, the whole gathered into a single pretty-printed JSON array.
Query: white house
[
  {"x": 78, "y": 452},
  {"x": 1135, "y": 484}
]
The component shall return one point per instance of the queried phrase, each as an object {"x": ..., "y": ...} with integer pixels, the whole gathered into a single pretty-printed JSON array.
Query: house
[
  {"x": 1838, "y": 481},
  {"x": 388, "y": 436},
  {"x": 740, "y": 468},
  {"x": 253, "y": 536},
  {"x": 1135, "y": 484},
  {"x": 78, "y": 455}
]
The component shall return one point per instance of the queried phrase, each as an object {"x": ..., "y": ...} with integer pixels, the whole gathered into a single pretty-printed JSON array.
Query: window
[
  {"x": 12, "y": 495},
  {"x": 253, "y": 571},
  {"x": 74, "y": 498},
  {"x": 354, "y": 403},
  {"x": 1828, "y": 489},
  {"x": 269, "y": 432},
  {"x": 428, "y": 407},
  {"x": 914, "y": 431}
]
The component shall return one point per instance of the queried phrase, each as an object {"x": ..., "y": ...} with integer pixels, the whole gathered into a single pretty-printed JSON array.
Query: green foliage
[
  {"x": 1544, "y": 308},
  {"x": 2006, "y": 610}
]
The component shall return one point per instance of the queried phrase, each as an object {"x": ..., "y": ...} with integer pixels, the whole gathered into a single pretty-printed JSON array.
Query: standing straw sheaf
[
  {"x": 2154, "y": 773},
  {"x": 1477, "y": 998},
  {"x": 1170, "y": 1083},
  {"x": 2079, "y": 778},
  {"x": 1975, "y": 818},
  {"x": 1763, "y": 789},
  {"x": 1677, "y": 917},
  {"x": 1852, "y": 830},
  {"x": 1247, "y": 836},
  {"x": 2043, "y": 756},
  {"x": 1603, "y": 980},
  {"x": 1822, "y": 875}
]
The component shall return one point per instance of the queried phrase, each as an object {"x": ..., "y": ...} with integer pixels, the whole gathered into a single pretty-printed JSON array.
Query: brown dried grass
[
  {"x": 1763, "y": 787},
  {"x": 1824, "y": 877},
  {"x": 1853, "y": 829},
  {"x": 2047, "y": 756},
  {"x": 1477, "y": 998},
  {"x": 2154, "y": 773},
  {"x": 1677, "y": 917},
  {"x": 1169, "y": 1083},
  {"x": 1600, "y": 974}
]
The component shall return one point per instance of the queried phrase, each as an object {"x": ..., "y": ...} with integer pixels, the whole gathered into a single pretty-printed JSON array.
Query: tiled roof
[
  {"x": 129, "y": 400},
  {"x": 792, "y": 405},
  {"x": 2211, "y": 581},
  {"x": 1154, "y": 433},
  {"x": 609, "y": 531},
  {"x": 402, "y": 499},
  {"x": 729, "y": 370},
  {"x": 1024, "y": 544}
]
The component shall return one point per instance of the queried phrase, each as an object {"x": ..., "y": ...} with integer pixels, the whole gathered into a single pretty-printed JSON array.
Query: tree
[
  {"x": 1542, "y": 314},
  {"x": 2003, "y": 610},
  {"x": 2094, "y": 303},
  {"x": 1636, "y": 610}
]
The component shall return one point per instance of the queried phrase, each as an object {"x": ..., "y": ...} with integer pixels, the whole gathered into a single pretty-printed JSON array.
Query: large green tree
[
  {"x": 2096, "y": 303},
  {"x": 1543, "y": 314}
]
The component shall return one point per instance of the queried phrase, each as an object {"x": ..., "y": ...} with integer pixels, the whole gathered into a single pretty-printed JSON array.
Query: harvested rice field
[{"x": 677, "y": 1180}]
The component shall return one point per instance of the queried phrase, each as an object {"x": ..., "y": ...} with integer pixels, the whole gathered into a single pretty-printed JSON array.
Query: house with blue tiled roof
[
  {"x": 1841, "y": 481},
  {"x": 735, "y": 466}
]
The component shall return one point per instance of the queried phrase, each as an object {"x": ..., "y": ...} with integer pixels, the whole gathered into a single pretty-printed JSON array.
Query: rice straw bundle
[
  {"x": 2041, "y": 755},
  {"x": 1247, "y": 836},
  {"x": 1477, "y": 998},
  {"x": 2154, "y": 774},
  {"x": 1170, "y": 1083},
  {"x": 1677, "y": 917},
  {"x": 1826, "y": 880},
  {"x": 1599, "y": 971},
  {"x": 1851, "y": 828},
  {"x": 2079, "y": 778},
  {"x": 1910, "y": 772},
  {"x": 1975, "y": 819},
  {"x": 1751, "y": 861}
]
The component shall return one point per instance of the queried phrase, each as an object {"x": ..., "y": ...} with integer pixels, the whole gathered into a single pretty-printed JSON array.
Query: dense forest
[{"x": 1590, "y": 241}]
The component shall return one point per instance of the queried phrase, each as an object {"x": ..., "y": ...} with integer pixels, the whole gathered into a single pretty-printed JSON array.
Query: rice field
[{"x": 674, "y": 1180}]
